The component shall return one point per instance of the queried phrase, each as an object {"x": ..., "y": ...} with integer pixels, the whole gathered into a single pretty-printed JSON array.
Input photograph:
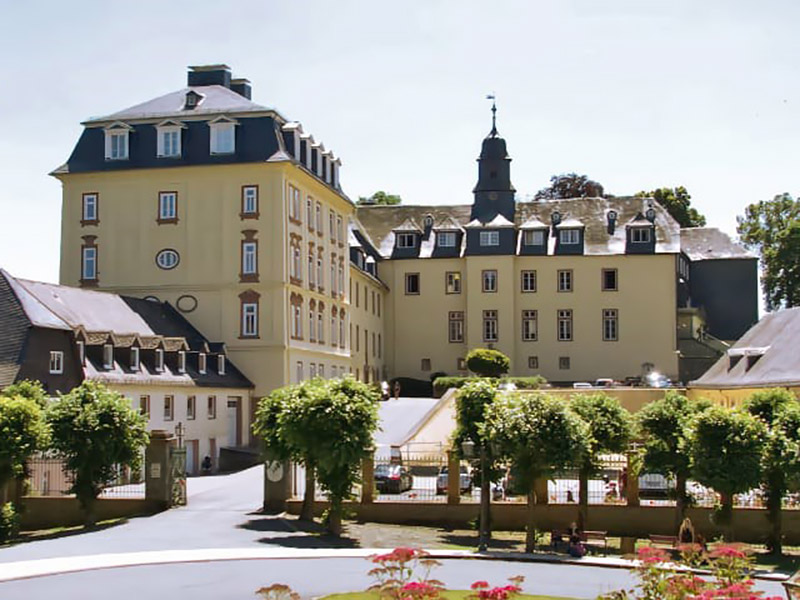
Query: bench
[
  {"x": 593, "y": 539},
  {"x": 670, "y": 541}
]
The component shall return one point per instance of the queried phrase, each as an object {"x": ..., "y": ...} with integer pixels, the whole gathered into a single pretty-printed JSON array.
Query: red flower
[{"x": 480, "y": 585}]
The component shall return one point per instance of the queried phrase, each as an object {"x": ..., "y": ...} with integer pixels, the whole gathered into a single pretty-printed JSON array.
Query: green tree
[
  {"x": 380, "y": 198},
  {"x": 772, "y": 229},
  {"x": 610, "y": 429},
  {"x": 96, "y": 432},
  {"x": 540, "y": 436},
  {"x": 664, "y": 428},
  {"x": 487, "y": 363},
  {"x": 725, "y": 446},
  {"x": 23, "y": 431},
  {"x": 779, "y": 410},
  {"x": 677, "y": 203},
  {"x": 570, "y": 185},
  {"x": 32, "y": 390},
  {"x": 325, "y": 424}
]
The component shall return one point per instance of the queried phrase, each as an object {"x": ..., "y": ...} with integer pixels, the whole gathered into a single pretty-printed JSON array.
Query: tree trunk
[
  {"x": 680, "y": 500},
  {"x": 530, "y": 529},
  {"x": 727, "y": 517},
  {"x": 583, "y": 500},
  {"x": 774, "y": 499},
  {"x": 335, "y": 517},
  {"x": 87, "y": 506},
  {"x": 307, "y": 510}
]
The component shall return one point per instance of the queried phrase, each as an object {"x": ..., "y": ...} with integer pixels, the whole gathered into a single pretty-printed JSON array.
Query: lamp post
[
  {"x": 468, "y": 449},
  {"x": 179, "y": 432}
]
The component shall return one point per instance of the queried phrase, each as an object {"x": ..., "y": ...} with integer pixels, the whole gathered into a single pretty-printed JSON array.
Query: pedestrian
[
  {"x": 396, "y": 390},
  {"x": 206, "y": 465}
]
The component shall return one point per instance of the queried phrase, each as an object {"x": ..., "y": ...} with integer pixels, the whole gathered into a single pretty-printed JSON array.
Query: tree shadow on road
[
  {"x": 296, "y": 533},
  {"x": 68, "y": 531},
  {"x": 471, "y": 541}
]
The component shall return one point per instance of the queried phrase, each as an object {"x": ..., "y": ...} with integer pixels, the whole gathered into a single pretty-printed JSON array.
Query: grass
[{"x": 449, "y": 595}]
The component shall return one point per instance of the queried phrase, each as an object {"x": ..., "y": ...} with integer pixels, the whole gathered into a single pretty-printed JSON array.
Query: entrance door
[
  {"x": 234, "y": 420},
  {"x": 192, "y": 449}
]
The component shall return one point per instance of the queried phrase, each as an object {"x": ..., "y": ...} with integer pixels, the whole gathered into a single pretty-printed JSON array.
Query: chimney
[
  {"x": 210, "y": 75},
  {"x": 611, "y": 221},
  {"x": 242, "y": 87}
]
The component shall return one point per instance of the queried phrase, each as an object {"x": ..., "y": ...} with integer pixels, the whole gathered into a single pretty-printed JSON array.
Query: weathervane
[{"x": 493, "y": 98}]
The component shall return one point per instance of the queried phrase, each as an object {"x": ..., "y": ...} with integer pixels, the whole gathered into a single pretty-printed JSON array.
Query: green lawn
[{"x": 449, "y": 595}]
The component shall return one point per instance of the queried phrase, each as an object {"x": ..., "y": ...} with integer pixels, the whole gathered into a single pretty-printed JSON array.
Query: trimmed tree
[
  {"x": 96, "y": 432},
  {"x": 725, "y": 447},
  {"x": 610, "y": 428},
  {"x": 540, "y": 436},
  {"x": 779, "y": 411},
  {"x": 23, "y": 431},
  {"x": 664, "y": 428},
  {"x": 487, "y": 363},
  {"x": 33, "y": 390}
]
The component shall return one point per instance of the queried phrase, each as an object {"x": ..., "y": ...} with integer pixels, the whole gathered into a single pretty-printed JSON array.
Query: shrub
[
  {"x": 9, "y": 522},
  {"x": 487, "y": 363},
  {"x": 442, "y": 384}
]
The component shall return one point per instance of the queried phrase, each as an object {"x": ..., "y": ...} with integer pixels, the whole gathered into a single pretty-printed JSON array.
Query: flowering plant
[
  {"x": 481, "y": 590},
  {"x": 395, "y": 577}
]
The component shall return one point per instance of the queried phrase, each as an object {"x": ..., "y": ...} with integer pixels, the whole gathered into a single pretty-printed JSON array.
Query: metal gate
[{"x": 177, "y": 461}]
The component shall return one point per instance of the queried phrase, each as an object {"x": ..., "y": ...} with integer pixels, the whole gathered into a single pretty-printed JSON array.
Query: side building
[{"x": 142, "y": 349}]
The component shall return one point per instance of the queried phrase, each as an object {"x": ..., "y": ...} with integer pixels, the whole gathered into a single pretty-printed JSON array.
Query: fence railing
[{"x": 48, "y": 476}]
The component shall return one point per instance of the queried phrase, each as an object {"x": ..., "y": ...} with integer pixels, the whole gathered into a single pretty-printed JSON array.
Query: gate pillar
[
  {"x": 157, "y": 467},
  {"x": 277, "y": 485}
]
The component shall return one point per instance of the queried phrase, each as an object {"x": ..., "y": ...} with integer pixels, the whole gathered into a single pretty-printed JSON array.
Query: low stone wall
[
  {"x": 749, "y": 525},
  {"x": 45, "y": 512}
]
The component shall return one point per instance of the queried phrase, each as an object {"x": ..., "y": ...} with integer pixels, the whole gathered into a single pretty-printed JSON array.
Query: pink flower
[{"x": 480, "y": 585}]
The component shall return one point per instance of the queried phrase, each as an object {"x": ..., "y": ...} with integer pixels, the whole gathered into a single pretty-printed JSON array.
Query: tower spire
[{"x": 493, "y": 98}]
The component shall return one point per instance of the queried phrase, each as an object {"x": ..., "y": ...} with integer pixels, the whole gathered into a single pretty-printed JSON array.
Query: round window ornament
[
  {"x": 167, "y": 259},
  {"x": 186, "y": 303}
]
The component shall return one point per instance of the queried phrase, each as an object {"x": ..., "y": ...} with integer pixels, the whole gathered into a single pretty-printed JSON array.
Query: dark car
[{"x": 393, "y": 479}]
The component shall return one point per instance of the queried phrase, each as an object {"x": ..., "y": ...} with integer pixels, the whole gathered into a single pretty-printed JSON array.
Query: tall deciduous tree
[
  {"x": 570, "y": 185},
  {"x": 772, "y": 229},
  {"x": 664, "y": 428},
  {"x": 97, "y": 432},
  {"x": 540, "y": 436},
  {"x": 33, "y": 390},
  {"x": 23, "y": 431},
  {"x": 610, "y": 428},
  {"x": 726, "y": 447},
  {"x": 677, "y": 203},
  {"x": 381, "y": 198},
  {"x": 779, "y": 410}
]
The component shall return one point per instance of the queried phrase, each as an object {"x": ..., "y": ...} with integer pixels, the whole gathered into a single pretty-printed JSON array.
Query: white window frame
[
  {"x": 527, "y": 281},
  {"x": 135, "y": 361},
  {"x": 117, "y": 143},
  {"x": 202, "y": 363},
  {"x": 181, "y": 361},
  {"x": 169, "y": 407},
  {"x": 610, "y": 325},
  {"x": 223, "y": 137},
  {"x": 211, "y": 408},
  {"x": 299, "y": 371},
  {"x": 455, "y": 327},
  {"x": 191, "y": 408},
  {"x": 221, "y": 359},
  {"x": 452, "y": 282},
  {"x": 489, "y": 238},
  {"x": 312, "y": 370},
  {"x": 569, "y": 237},
  {"x": 530, "y": 326},
  {"x": 56, "y": 362},
  {"x": 321, "y": 326},
  {"x": 310, "y": 213},
  {"x": 489, "y": 281},
  {"x": 250, "y": 200},
  {"x": 166, "y": 264},
  {"x": 490, "y": 326},
  {"x": 108, "y": 356},
  {"x": 89, "y": 263},
  {"x": 89, "y": 208},
  {"x": 319, "y": 218},
  {"x": 408, "y": 278},
  {"x": 533, "y": 237},
  {"x": 565, "y": 325},
  {"x": 640, "y": 235},
  {"x": 406, "y": 239},
  {"x": 249, "y": 258},
  {"x": 169, "y": 141},
  {"x": 167, "y": 206},
  {"x": 159, "y": 360},
  {"x": 446, "y": 239},
  {"x": 565, "y": 280},
  {"x": 312, "y": 325},
  {"x": 249, "y": 319}
]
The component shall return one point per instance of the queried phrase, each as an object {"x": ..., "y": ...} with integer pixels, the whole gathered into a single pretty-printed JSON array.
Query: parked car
[
  {"x": 653, "y": 485},
  {"x": 464, "y": 480},
  {"x": 393, "y": 479},
  {"x": 581, "y": 385},
  {"x": 604, "y": 382}
]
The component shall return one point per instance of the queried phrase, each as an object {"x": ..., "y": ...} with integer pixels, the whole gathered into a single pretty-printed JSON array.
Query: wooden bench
[
  {"x": 670, "y": 541},
  {"x": 593, "y": 539}
]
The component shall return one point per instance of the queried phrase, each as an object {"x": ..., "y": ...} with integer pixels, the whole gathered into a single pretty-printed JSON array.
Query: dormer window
[
  {"x": 640, "y": 235},
  {"x": 159, "y": 360},
  {"x": 569, "y": 236},
  {"x": 134, "y": 359},
  {"x": 117, "y": 141},
  {"x": 223, "y": 136},
  {"x": 490, "y": 238},
  {"x": 533, "y": 237},
  {"x": 201, "y": 363},
  {"x": 193, "y": 99},
  {"x": 81, "y": 352},
  {"x": 169, "y": 140},
  {"x": 56, "y": 362},
  {"x": 221, "y": 364},
  {"x": 181, "y": 361},
  {"x": 446, "y": 239},
  {"x": 406, "y": 240},
  {"x": 108, "y": 356}
]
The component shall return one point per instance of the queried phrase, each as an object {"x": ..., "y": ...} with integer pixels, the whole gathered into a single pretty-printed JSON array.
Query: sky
[{"x": 636, "y": 94}]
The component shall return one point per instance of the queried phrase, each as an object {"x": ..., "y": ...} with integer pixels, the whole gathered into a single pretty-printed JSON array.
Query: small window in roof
[
  {"x": 192, "y": 100},
  {"x": 569, "y": 236},
  {"x": 533, "y": 237},
  {"x": 446, "y": 239},
  {"x": 406, "y": 240},
  {"x": 490, "y": 238}
]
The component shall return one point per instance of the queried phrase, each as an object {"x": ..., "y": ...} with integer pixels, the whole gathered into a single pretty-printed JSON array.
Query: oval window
[{"x": 167, "y": 259}]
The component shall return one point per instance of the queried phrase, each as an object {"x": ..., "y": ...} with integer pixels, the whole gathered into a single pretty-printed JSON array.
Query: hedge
[
  {"x": 412, "y": 388},
  {"x": 442, "y": 384}
]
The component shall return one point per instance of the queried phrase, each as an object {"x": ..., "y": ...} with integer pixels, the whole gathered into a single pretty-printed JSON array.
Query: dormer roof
[
  {"x": 409, "y": 225},
  {"x": 639, "y": 221},
  {"x": 534, "y": 223},
  {"x": 570, "y": 223},
  {"x": 448, "y": 223}
]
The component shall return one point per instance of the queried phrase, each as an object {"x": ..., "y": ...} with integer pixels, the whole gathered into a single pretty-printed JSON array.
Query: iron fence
[{"x": 48, "y": 476}]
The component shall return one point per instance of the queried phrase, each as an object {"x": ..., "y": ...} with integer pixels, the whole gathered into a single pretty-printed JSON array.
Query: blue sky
[{"x": 637, "y": 94}]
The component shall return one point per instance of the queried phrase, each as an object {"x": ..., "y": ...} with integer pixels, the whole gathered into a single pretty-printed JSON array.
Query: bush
[
  {"x": 412, "y": 388},
  {"x": 487, "y": 363},
  {"x": 9, "y": 522},
  {"x": 442, "y": 384}
]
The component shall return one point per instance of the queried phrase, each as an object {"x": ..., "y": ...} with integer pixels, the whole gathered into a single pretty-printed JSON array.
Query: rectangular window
[
  {"x": 56, "y": 362},
  {"x": 249, "y": 258},
  {"x": 563, "y": 363},
  {"x": 312, "y": 370},
  {"x": 134, "y": 358},
  {"x": 341, "y": 330},
  {"x": 490, "y": 326},
  {"x": 412, "y": 284},
  {"x": 406, "y": 240},
  {"x": 212, "y": 407},
  {"x": 294, "y": 204},
  {"x": 533, "y": 362},
  {"x": 533, "y": 237},
  {"x": 169, "y": 142},
  {"x": 332, "y": 225},
  {"x": 446, "y": 239},
  {"x": 249, "y": 200},
  {"x": 89, "y": 209},
  {"x": 319, "y": 218},
  {"x": 221, "y": 364},
  {"x": 358, "y": 338},
  {"x": 117, "y": 145},
  {"x": 529, "y": 326},
  {"x": 489, "y": 281},
  {"x": 425, "y": 364},
  {"x": 455, "y": 327},
  {"x": 334, "y": 328},
  {"x": 81, "y": 352},
  {"x": 452, "y": 282},
  {"x": 569, "y": 236},
  {"x": 169, "y": 408},
  {"x": 159, "y": 360},
  {"x": 380, "y": 345},
  {"x": 299, "y": 369},
  {"x": 490, "y": 238},
  {"x": 379, "y": 304},
  {"x": 223, "y": 138},
  {"x": 565, "y": 325},
  {"x": 528, "y": 281},
  {"x": 249, "y": 319},
  {"x": 181, "y": 361},
  {"x": 144, "y": 405},
  {"x": 640, "y": 235},
  {"x": 310, "y": 213},
  {"x": 167, "y": 207},
  {"x": 461, "y": 364},
  {"x": 202, "y": 363},
  {"x": 610, "y": 325},
  {"x": 89, "y": 264},
  {"x": 320, "y": 327},
  {"x": 340, "y": 230},
  {"x": 190, "y": 407},
  {"x": 357, "y": 296},
  {"x": 609, "y": 280},
  {"x": 321, "y": 371},
  {"x": 565, "y": 280},
  {"x": 108, "y": 356}
]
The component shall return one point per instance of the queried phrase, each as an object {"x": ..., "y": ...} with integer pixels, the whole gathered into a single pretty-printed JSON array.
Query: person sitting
[
  {"x": 576, "y": 549},
  {"x": 686, "y": 534},
  {"x": 206, "y": 465}
]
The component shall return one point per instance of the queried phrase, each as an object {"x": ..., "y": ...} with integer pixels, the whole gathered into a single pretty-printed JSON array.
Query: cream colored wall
[
  {"x": 364, "y": 318},
  {"x": 208, "y": 238},
  {"x": 417, "y": 325},
  {"x": 730, "y": 397}
]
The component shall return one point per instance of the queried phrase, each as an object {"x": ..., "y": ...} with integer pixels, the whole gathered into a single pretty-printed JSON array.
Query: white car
[{"x": 465, "y": 481}]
